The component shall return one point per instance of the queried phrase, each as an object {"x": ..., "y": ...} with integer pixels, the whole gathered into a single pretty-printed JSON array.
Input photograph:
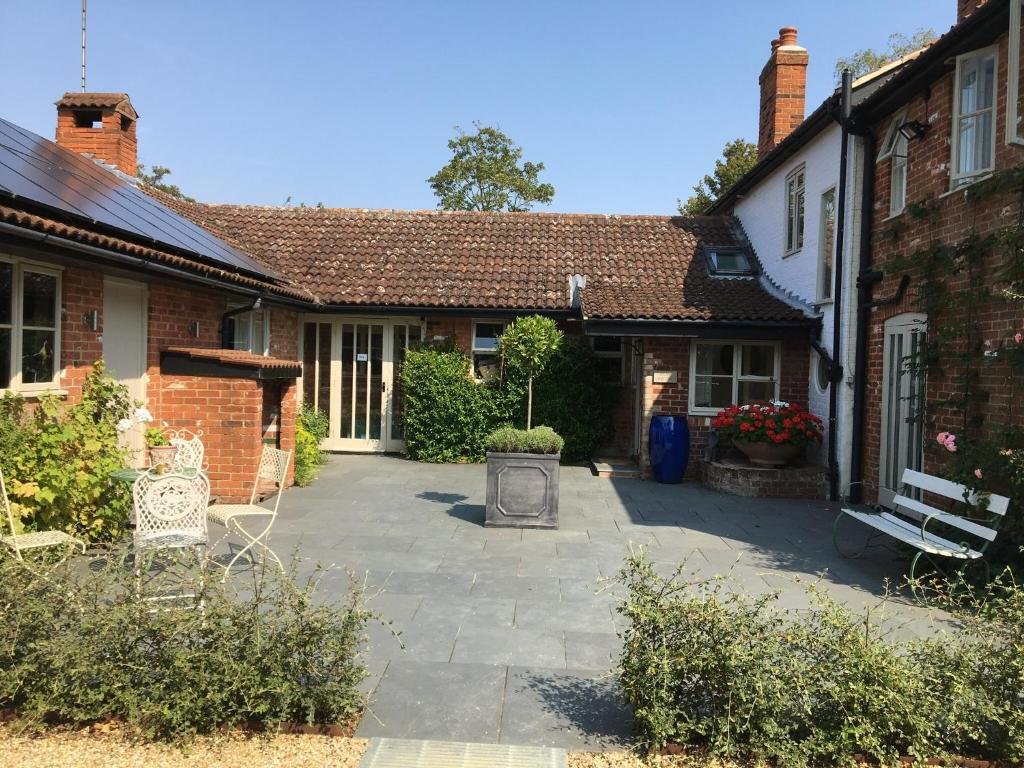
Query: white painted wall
[{"x": 762, "y": 212}]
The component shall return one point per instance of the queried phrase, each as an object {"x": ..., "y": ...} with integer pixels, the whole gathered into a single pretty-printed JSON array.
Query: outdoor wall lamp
[
  {"x": 91, "y": 320},
  {"x": 193, "y": 329},
  {"x": 913, "y": 129}
]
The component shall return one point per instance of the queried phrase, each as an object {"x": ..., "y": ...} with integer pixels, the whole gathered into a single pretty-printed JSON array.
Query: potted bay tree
[{"x": 522, "y": 464}]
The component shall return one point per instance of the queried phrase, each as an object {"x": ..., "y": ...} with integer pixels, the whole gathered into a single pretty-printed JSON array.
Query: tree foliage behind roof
[
  {"x": 485, "y": 174},
  {"x": 868, "y": 59},
  {"x": 155, "y": 179},
  {"x": 738, "y": 157}
]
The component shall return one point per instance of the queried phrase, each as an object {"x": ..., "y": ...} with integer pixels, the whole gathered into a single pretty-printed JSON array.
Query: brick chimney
[
  {"x": 99, "y": 125},
  {"x": 783, "y": 85},
  {"x": 965, "y": 8}
]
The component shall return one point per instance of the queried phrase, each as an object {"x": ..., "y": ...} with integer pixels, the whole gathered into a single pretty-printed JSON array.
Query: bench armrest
[{"x": 924, "y": 533}]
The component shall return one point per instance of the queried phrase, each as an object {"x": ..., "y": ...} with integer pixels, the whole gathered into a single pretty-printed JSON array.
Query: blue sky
[{"x": 352, "y": 103}]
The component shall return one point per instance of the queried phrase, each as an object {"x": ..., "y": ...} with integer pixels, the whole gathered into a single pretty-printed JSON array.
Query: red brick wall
[
  {"x": 227, "y": 411},
  {"x": 954, "y": 216},
  {"x": 673, "y": 354},
  {"x": 110, "y": 143}
]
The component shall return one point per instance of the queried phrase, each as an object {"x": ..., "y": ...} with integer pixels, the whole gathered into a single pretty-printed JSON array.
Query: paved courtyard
[{"x": 510, "y": 636}]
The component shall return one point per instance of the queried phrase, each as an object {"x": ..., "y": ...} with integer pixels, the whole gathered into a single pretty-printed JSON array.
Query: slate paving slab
[{"x": 510, "y": 635}]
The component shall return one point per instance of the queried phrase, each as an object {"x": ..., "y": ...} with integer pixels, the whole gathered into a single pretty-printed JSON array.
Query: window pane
[
  {"x": 751, "y": 391},
  {"x": 758, "y": 360},
  {"x": 348, "y": 358},
  {"x": 6, "y": 292},
  {"x": 712, "y": 391},
  {"x": 5, "y": 358},
  {"x": 486, "y": 335},
  {"x": 258, "y": 345},
  {"x": 898, "y": 197},
  {"x": 828, "y": 236},
  {"x": 800, "y": 218},
  {"x": 714, "y": 359},
  {"x": 239, "y": 331},
  {"x": 309, "y": 363},
  {"x": 730, "y": 261},
  {"x": 40, "y": 300},
  {"x": 37, "y": 364},
  {"x": 486, "y": 366}
]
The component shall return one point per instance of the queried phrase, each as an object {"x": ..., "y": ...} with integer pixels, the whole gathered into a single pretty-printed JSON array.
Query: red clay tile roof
[
  {"x": 116, "y": 101},
  {"x": 232, "y": 357},
  {"x": 637, "y": 267}
]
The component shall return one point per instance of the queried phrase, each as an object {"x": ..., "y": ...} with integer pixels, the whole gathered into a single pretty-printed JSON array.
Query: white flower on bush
[
  {"x": 143, "y": 416},
  {"x": 124, "y": 425}
]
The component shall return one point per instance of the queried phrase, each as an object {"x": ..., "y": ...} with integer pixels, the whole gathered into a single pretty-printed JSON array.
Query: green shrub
[
  {"x": 529, "y": 343},
  {"x": 511, "y": 440},
  {"x": 80, "y": 650},
  {"x": 311, "y": 427},
  {"x": 570, "y": 397},
  {"x": 447, "y": 414},
  {"x": 58, "y": 472},
  {"x": 708, "y": 666}
]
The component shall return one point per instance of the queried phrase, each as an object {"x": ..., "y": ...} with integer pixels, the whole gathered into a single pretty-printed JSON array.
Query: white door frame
[
  {"x": 334, "y": 442},
  {"x": 898, "y": 437},
  {"x": 138, "y": 446}
]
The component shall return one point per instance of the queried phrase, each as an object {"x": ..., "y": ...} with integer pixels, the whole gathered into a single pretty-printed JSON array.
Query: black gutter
[
  {"x": 102, "y": 255},
  {"x": 865, "y": 280},
  {"x": 836, "y": 368},
  {"x": 726, "y": 329}
]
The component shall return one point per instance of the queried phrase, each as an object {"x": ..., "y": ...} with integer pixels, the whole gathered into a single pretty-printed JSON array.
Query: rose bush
[{"x": 776, "y": 422}]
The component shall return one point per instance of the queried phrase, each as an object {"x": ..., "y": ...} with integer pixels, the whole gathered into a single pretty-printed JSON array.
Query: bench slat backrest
[{"x": 919, "y": 510}]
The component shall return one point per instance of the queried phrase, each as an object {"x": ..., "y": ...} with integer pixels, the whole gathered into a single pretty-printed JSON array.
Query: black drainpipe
[
  {"x": 836, "y": 368},
  {"x": 865, "y": 280}
]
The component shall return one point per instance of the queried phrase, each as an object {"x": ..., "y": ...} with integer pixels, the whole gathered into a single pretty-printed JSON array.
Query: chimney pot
[
  {"x": 787, "y": 36},
  {"x": 775, "y": 44}
]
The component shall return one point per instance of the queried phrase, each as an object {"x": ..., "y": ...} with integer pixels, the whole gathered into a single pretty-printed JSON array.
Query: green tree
[
  {"x": 868, "y": 59},
  {"x": 155, "y": 179},
  {"x": 485, "y": 174},
  {"x": 531, "y": 342},
  {"x": 738, "y": 157}
]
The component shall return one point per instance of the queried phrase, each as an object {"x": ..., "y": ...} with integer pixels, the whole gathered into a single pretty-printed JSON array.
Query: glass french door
[
  {"x": 903, "y": 400},
  {"x": 351, "y": 372}
]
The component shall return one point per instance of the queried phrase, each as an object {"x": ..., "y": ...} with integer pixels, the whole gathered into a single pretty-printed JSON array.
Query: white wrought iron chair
[
  {"x": 234, "y": 517},
  {"x": 170, "y": 511},
  {"x": 190, "y": 451},
  {"x": 19, "y": 542}
]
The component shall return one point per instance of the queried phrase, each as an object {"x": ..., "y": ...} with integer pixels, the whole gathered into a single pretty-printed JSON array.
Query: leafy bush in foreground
[
  {"x": 80, "y": 650},
  {"x": 707, "y": 666}
]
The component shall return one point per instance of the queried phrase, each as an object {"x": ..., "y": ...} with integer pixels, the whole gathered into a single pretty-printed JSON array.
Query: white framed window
[
  {"x": 795, "y": 195},
  {"x": 724, "y": 373},
  {"x": 729, "y": 261},
  {"x": 30, "y": 317},
  {"x": 826, "y": 244},
  {"x": 974, "y": 123},
  {"x": 486, "y": 357},
  {"x": 895, "y": 148},
  {"x": 1014, "y": 103},
  {"x": 610, "y": 358},
  {"x": 249, "y": 331}
]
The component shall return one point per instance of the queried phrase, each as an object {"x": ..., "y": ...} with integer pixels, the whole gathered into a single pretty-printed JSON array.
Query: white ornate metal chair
[
  {"x": 170, "y": 511},
  {"x": 236, "y": 517},
  {"x": 190, "y": 451},
  {"x": 19, "y": 542}
]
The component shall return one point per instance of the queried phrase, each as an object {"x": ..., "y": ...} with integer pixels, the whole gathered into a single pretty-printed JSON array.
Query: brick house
[
  {"x": 933, "y": 135},
  {"x": 221, "y": 317}
]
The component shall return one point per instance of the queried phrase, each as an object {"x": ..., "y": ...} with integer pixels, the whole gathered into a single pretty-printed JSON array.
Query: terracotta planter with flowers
[{"x": 769, "y": 434}]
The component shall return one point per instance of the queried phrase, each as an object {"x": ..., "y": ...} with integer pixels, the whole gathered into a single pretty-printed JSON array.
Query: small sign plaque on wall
[
  {"x": 665, "y": 377},
  {"x": 362, "y": 357}
]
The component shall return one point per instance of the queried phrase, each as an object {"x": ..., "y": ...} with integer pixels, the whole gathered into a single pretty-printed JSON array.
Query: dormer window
[{"x": 729, "y": 261}]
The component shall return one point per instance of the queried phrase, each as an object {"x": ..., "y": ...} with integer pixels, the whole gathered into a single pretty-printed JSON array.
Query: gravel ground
[
  {"x": 631, "y": 760},
  {"x": 85, "y": 749}
]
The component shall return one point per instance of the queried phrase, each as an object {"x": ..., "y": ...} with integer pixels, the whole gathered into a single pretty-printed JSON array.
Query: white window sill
[
  {"x": 968, "y": 185},
  {"x": 792, "y": 253},
  {"x": 893, "y": 216},
  {"x": 823, "y": 302},
  {"x": 34, "y": 394}
]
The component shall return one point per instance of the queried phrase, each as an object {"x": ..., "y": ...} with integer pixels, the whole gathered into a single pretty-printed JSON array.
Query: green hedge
[
  {"x": 448, "y": 415},
  {"x": 719, "y": 670}
]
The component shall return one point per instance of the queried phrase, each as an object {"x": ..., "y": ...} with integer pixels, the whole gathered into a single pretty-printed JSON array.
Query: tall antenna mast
[{"x": 83, "y": 46}]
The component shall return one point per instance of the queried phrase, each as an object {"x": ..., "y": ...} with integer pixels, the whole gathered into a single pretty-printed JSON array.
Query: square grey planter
[{"x": 522, "y": 490}]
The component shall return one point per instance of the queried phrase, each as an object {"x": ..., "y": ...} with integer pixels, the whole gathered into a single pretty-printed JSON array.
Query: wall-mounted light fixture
[
  {"x": 913, "y": 129},
  {"x": 193, "y": 329},
  {"x": 91, "y": 320}
]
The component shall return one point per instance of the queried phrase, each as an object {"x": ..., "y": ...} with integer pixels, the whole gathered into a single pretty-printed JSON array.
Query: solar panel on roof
[{"x": 36, "y": 169}]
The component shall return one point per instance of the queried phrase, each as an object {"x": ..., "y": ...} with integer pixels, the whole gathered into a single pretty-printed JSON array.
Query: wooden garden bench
[{"x": 927, "y": 529}]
